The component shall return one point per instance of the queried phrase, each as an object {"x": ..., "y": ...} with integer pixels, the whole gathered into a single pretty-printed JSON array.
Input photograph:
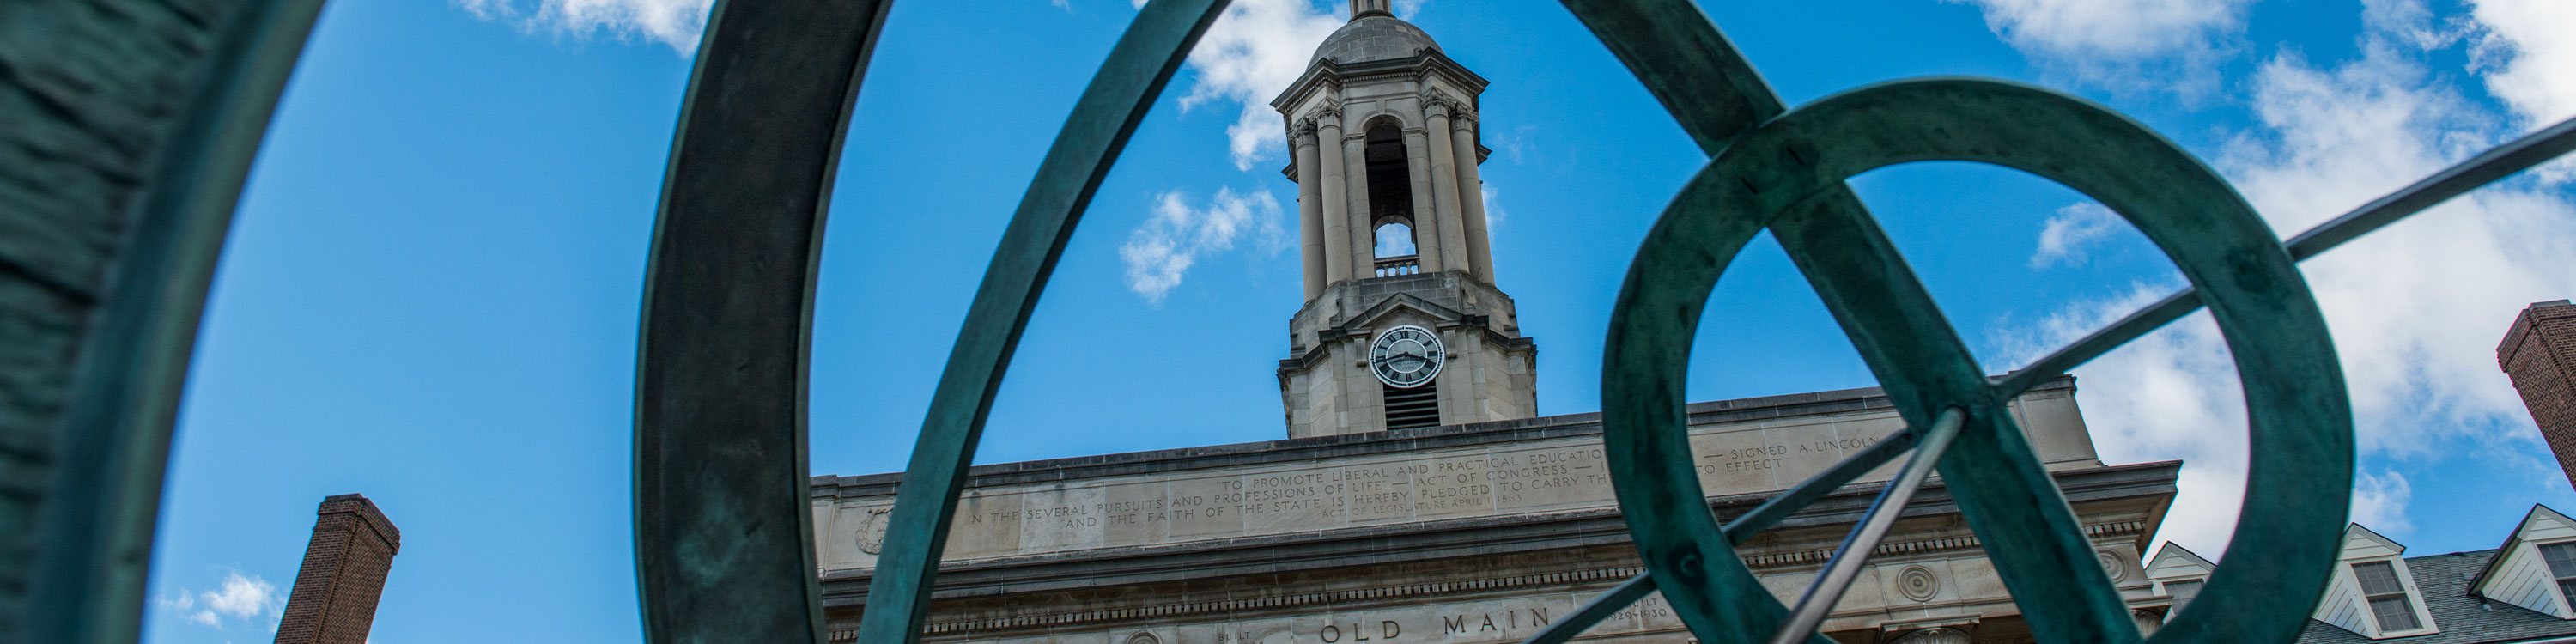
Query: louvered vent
[{"x": 1411, "y": 408}]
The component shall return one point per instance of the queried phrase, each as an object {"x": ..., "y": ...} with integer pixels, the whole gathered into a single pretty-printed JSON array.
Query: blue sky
[{"x": 431, "y": 292}]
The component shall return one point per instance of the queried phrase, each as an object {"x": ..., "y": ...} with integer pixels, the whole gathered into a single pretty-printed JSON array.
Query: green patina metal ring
[{"x": 1786, "y": 176}]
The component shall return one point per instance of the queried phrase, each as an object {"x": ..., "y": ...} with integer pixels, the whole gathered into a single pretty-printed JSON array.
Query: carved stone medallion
[
  {"x": 2111, "y": 565},
  {"x": 872, "y": 530},
  {"x": 1917, "y": 583}
]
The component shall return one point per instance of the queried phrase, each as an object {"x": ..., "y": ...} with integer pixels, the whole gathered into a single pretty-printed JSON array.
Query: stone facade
[
  {"x": 1491, "y": 373},
  {"x": 334, "y": 601},
  {"x": 1425, "y": 535},
  {"x": 1482, "y": 525},
  {"x": 2538, "y": 352}
]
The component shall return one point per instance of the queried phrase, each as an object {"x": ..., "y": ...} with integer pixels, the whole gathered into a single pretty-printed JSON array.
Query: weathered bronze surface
[
  {"x": 1786, "y": 176},
  {"x": 723, "y": 539},
  {"x": 1142, "y": 61},
  {"x": 143, "y": 160},
  {"x": 126, "y": 130}
]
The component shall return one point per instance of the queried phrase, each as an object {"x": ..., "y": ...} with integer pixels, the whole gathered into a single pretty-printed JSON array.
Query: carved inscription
[{"x": 1427, "y": 485}]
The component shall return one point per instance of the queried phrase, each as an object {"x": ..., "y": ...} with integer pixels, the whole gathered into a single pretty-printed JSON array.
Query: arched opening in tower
[
  {"x": 1390, "y": 180},
  {"x": 1390, "y": 195}
]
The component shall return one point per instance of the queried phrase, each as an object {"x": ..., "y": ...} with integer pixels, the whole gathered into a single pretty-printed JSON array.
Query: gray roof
[
  {"x": 2463, "y": 618},
  {"x": 1371, "y": 38}
]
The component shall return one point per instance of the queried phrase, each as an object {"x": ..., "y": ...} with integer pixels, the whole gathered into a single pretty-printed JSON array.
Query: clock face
[{"x": 1406, "y": 356}]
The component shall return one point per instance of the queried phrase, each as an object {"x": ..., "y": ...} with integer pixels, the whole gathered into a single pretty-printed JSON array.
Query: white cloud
[
  {"x": 243, "y": 595},
  {"x": 239, "y": 596},
  {"x": 2117, "y": 42},
  {"x": 1514, "y": 143},
  {"x": 2109, "y": 28},
  {"x": 2531, "y": 57},
  {"x": 677, "y": 23},
  {"x": 1160, "y": 253},
  {"x": 2379, "y": 501},
  {"x": 2415, "y": 310},
  {"x": 1494, "y": 214},
  {"x": 1247, "y": 58},
  {"x": 2067, "y": 234},
  {"x": 2525, "y": 47}
]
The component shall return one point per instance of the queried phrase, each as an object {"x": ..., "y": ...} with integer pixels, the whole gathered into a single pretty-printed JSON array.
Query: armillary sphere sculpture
[
  {"x": 722, "y": 534},
  {"x": 723, "y": 540}
]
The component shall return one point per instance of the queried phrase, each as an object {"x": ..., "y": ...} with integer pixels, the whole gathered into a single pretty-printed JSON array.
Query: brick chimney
[
  {"x": 344, "y": 571},
  {"x": 2539, "y": 353}
]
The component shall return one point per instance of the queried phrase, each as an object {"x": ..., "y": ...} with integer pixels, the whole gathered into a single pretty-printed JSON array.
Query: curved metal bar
[
  {"x": 2300, "y": 414},
  {"x": 1709, "y": 87},
  {"x": 1139, "y": 65},
  {"x": 2489, "y": 167},
  {"x": 1690, "y": 66},
  {"x": 1791, "y": 169},
  {"x": 84, "y": 579},
  {"x": 2028, "y": 530},
  {"x": 723, "y": 539}
]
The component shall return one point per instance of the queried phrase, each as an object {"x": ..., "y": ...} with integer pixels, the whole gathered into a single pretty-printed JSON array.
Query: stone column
[
  {"x": 1310, "y": 208},
  {"x": 1429, "y": 241},
  {"x": 1444, "y": 187},
  {"x": 1471, "y": 189},
  {"x": 1357, "y": 239},
  {"x": 1335, "y": 195}
]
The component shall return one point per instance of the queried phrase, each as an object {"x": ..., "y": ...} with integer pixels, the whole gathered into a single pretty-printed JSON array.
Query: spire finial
[{"x": 1364, "y": 8}]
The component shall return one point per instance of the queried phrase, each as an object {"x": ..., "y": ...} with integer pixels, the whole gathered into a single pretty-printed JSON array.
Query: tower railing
[{"x": 1399, "y": 265}]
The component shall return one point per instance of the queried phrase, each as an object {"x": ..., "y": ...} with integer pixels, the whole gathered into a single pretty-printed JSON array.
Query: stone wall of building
[
  {"x": 1425, "y": 535},
  {"x": 1537, "y": 465}
]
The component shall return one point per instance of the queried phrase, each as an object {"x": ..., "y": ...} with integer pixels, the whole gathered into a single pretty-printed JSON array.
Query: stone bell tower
[{"x": 1403, "y": 326}]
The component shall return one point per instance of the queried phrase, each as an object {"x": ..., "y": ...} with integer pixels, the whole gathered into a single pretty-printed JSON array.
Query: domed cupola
[{"x": 1374, "y": 36}]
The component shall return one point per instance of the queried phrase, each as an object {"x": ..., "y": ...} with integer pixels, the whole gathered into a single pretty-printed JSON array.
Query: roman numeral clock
[{"x": 1406, "y": 357}]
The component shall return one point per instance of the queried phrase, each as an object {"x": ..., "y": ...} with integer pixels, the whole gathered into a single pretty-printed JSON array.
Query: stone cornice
[
  {"x": 1336, "y": 75},
  {"x": 1300, "y": 449},
  {"x": 1596, "y": 575},
  {"x": 1299, "y": 600},
  {"x": 2120, "y": 499}
]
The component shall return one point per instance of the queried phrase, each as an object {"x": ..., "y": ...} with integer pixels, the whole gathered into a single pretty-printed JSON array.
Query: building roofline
[
  {"x": 1837, "y": 401},
  {"x": 2511, "y": 538}
]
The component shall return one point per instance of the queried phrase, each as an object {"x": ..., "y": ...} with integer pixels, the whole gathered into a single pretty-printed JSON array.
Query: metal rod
[
  {"x": 1139, "y": 65},
  {"x": 1744, "y": 527},
  {"x": 1816, "y": 487},
  {"x": 1609, "y": 603},
  {"x": 1848, "y": 559},
  {"x": 2521, "y": 154}
]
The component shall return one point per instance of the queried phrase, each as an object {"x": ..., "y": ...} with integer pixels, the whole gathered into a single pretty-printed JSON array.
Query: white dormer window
[
  {"x": 2536, "y": 566},
  {"x": 2182, "y": 591},
  {"x": 2387, "y": 596},
  {"x": 2562, "y": 565}
]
